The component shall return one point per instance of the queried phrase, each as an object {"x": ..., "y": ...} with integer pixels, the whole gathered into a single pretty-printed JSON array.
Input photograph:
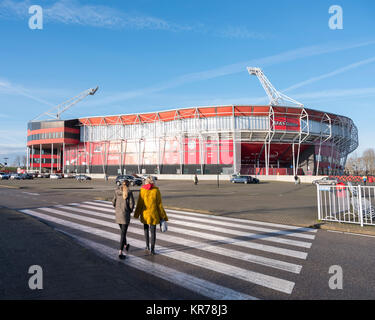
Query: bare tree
[
  {"x": 364, "y": 165},
  {"x": 17, "y": 161},
  {"x": 352, "y": 164},
  {"x": 24, "y": 161},
  {"x": 368, "y": 161}
]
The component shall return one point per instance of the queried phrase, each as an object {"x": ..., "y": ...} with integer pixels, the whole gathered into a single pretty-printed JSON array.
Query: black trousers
[
  {"x": 153, "y": 235},
  {"x": 124, "y": 229}
]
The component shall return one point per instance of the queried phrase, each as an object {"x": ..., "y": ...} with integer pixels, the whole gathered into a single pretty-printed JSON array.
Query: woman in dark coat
[{"x": 123, "y": 201}]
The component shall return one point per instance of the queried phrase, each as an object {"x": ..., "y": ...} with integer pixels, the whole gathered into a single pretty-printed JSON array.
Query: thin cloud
[
  {"x": 240, "y": 32},
  {"x": 282, "y": 57},
  {"x": 304, "y": 96},
  {"x": 11, "y": 150},
  {"x": 331, "y": 74},
  {"x": 12, "y": 141},
  {"x": 71, "y": 12},
  {"x": 9, "y": 88},
  {"x": 338, "y": 93}
]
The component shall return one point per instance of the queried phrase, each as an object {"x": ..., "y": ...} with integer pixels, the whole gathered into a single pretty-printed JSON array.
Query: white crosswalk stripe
[
  {"x": 222, "y": 223},
  {"x": 222, "y": 239},
  {"x": 265, "y": 237},
  {"x": 196, "y": 284},
  {"x": 194, "y": 244},
  {"x": 207, "y": 236},
  {"x": 108, "y": 204}
]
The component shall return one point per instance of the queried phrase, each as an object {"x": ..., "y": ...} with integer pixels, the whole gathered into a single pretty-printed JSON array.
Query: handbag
[{"x": 163, "y": 225}]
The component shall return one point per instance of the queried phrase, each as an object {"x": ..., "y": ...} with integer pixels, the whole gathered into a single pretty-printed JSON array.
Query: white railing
[{"x": 346, "y": 204}]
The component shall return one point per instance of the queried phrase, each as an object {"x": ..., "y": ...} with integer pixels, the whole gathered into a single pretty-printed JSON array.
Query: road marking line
[
  {"x": 354, "y": 234},
  {"x": 195, "y": 284},
  {"x": 266, "y": 237},
  {"x": 31, "y": 193},
  {"x": 260, "y": 279},
  {"x": 297, "y": 232},
  {"x": 208, "y": 236},
  {"x": 244, "y": 221},
  {"x": 272, "y": 263},
  {"x": 228, "y": 224}
]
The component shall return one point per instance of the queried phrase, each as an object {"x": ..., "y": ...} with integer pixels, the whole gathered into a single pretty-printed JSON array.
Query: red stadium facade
[{"x": 205, "y": 140}]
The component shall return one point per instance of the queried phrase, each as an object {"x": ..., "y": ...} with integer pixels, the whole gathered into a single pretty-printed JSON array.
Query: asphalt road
[
  {"x": 268, "y": 201},
  {"x": 225, "y": 256}
]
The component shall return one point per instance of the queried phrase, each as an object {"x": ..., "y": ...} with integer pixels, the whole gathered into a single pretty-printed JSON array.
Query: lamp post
[{"x": 218, "y": 179}]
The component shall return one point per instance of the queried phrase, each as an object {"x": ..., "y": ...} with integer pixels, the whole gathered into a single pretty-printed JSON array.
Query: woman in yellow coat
[{"x": 150, "y": 211}]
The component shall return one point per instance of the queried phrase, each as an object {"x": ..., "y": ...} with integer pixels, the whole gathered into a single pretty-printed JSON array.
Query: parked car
[
  {"x": 4, "y": 176},
  {"x": 81, "y": 177},
  {"x": 15, "y": 176},
  {"x": 144, "y": 176},
  {"x": 243, "y": 179},
  {"x": 133, "y": 180},
  {"x": 26, "y": 176},
  {"x": 43, "y": 175},
  {"x": 55, "y": 176},
  {"x": 68, "y": 175},
  {"x": 326, "y": 181}
]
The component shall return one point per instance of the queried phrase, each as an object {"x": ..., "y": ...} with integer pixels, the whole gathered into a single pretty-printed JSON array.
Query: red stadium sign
[{"x": 286, "y": 124}]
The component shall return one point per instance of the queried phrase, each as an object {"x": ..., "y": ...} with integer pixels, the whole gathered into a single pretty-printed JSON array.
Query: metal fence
[{"x": 347, "y": 204}]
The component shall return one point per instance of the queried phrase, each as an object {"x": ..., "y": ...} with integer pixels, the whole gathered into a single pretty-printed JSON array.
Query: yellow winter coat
[{"x": 149, "y": 206}]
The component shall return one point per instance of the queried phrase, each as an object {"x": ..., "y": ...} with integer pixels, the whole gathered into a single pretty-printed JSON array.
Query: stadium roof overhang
[{"x": 203, "y": 112}]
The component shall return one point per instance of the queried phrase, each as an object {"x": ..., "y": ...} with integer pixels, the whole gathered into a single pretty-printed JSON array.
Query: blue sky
[{"x": 150, "y": 55}]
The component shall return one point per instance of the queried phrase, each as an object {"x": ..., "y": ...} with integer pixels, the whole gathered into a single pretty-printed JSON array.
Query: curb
[
  {"x": 10, "y": 187},
  {"x": 348, "y": 229}
]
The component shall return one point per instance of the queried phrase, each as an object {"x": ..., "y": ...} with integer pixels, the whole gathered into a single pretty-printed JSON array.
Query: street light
[{"x": 218, "y": 173}]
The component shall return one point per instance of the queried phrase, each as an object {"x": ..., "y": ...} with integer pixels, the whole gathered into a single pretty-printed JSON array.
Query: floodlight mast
[
  {"x": 276, "y": 98},
  {"x": 55, "y": 112}
]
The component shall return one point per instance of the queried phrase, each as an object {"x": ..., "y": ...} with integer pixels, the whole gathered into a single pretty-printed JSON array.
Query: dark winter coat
[{"x": 123, "y": 207}]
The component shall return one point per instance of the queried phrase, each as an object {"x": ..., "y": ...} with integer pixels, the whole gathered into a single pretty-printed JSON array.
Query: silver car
[
  {"x": 55, "y": 176},
  {"x": 326, "y": 181},
  {"x": 15, "y": 176},
  {"x": 4, "y": 176}
]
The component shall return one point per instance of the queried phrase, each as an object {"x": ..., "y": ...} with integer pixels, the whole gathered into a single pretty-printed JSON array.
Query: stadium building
[
  {"x": 204, "y": 140},
  {"x": 272, "y": 139}
]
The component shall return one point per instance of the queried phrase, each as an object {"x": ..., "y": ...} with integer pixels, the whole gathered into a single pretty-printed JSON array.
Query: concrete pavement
[
  {"x": 74, "y": 272},
  {"x": 70, "y": 271}
]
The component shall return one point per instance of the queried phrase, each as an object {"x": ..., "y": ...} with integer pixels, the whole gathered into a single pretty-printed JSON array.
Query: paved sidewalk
[{"x": 70, "y": 271}]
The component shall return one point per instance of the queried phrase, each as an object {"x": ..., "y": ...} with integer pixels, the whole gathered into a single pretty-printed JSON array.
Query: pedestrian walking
[
  {"x": 296, "y": 180},
  {"x": 123, "y": 201},
  {"x": 150, "y": 211},
  {"x": 364, "y": 179},
  {"x": 195, "y": 179}
]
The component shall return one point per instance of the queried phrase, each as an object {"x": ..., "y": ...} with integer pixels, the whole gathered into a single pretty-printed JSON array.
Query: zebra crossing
[{"x": 214, "y": 256}]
